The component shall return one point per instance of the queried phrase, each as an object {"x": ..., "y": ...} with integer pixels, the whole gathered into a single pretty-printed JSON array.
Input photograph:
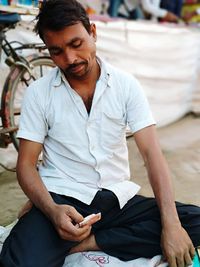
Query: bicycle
[{"x": 22, "y": 71}]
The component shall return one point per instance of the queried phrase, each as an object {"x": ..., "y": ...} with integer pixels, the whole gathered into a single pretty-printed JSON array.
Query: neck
[{"x": 86, "y": 87}]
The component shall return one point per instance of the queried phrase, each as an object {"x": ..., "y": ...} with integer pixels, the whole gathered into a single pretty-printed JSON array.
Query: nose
[{"x": 70, "y": 56}]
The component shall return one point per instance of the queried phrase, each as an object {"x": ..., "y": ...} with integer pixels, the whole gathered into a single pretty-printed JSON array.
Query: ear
[{"x": 93, "y": 32}]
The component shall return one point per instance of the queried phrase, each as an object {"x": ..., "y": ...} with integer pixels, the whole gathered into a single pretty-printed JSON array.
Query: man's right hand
[
  {"x": 170, "y": 17},
  {"x": 66, "y": 219}
]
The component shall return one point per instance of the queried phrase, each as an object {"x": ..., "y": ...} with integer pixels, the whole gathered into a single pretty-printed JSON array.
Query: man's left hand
[{"x": 177, "y": 246}]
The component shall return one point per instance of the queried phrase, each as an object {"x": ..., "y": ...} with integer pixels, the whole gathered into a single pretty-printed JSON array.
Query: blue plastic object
[
  {"x": 25, "y": 2},
  {"x": 196, "y": 260},
  {"x": 4, "y": 2}
]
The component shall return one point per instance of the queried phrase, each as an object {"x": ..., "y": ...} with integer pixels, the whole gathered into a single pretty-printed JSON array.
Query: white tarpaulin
[{"x": 165, "y": 58}]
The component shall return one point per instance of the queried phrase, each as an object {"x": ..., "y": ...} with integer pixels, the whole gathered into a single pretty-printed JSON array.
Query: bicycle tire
[{"x": 14, "y": 88}]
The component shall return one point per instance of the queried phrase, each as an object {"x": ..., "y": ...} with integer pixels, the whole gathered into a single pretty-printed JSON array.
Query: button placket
[{"x": 93, "y": 147}]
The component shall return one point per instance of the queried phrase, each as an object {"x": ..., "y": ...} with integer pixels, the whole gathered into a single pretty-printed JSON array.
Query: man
[
  {"x": 151, "y": 8},
  {"x": 154, "y": 9},
  {"x": 125, "y": 8},
  {"x": 77, "y": 116}
]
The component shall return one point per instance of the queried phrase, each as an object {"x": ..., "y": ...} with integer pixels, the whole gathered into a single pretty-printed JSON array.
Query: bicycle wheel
[{"x": 15, "y": 85}]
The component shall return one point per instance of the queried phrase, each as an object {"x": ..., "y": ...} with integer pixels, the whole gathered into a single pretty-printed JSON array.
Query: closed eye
[{"x": 76, "y": 44}]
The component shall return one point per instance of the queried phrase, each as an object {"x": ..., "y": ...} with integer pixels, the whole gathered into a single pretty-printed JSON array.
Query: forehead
[{"x": 68, "y": 33}]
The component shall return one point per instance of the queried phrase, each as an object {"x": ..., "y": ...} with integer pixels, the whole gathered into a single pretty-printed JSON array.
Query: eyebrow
[{"x": 67, "y": 43}]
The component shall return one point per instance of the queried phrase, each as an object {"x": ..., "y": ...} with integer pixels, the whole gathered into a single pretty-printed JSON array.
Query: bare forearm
[
  {"x": 32, "y": 185},
  {"x": 158, "y": 173},
  {"x": 161, "y": 183}
]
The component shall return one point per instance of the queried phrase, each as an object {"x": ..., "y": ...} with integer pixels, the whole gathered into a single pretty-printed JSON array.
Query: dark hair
[{"x": 55, "y": 15}]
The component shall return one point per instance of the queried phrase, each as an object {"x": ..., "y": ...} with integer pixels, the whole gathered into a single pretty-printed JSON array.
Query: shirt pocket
[
  {"x": 113, "y": 129},
  {"x": 64, "y": 129}
]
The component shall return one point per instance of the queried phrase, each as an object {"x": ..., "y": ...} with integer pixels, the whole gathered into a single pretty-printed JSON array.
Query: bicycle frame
[
  {"x": 13, "y": 58},
  {"x": 15, "y": 61}
]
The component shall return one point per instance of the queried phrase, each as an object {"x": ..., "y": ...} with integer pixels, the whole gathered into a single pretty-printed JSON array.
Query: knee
[
  {"x": 14, "y": 257},
  {"x": 9, "y": 260}
]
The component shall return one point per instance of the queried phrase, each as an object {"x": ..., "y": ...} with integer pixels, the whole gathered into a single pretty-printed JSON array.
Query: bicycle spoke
[{"x": 15, "y": 88}]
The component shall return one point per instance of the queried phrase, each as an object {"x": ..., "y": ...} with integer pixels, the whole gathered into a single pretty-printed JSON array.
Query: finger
[
  {"x": 95, "y": 219},
  {"x": 74, "y": 214},
  {"x": 172, "y": 262},
  {"x": 67, "y": 228},
  {"x": 192, "y": 252},
  {"x": 75, "y": 230},
  {"x": 188, "y": 259},
  {"x": 76, "y": 237},
  {"x": 180, "y": 261},
  {"x": 92, "y": 220},
  {"x": 84, "y": 235}
]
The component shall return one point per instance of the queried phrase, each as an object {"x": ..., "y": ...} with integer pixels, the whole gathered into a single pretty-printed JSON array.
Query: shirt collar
[
  {"x": 58, "y": 78},
  {"x": 105, "y": 73}
]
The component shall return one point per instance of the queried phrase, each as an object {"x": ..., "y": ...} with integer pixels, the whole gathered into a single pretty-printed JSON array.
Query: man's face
[{"x": 73, "y": 50}]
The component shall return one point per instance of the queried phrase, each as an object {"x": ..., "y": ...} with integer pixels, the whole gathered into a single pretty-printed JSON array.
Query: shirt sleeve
[
  {"x": 153, "y": 8},
  {"x": 32, "y": 125},
  {"x": 139, "y": 114}
]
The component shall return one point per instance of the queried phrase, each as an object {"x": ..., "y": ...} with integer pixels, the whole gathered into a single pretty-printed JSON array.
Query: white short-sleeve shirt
[{"x": 83, "y": 153}]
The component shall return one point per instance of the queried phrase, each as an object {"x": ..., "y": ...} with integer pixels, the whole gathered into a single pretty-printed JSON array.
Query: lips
[{"x": 76, "y": 68}]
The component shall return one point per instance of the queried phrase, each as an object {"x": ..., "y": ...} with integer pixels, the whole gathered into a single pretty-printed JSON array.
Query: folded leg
[
  {"x": 34, "y": 242},
  {"x": 135, "y": 230}
]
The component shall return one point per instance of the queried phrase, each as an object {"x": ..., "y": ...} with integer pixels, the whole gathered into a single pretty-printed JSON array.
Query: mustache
[{"x": 74, "y": 65}]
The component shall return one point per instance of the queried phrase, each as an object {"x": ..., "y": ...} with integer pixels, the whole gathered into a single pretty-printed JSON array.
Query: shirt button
[
  {"x": 92, "y": 148},
  {"x": 97, "y": 168},
  {"x": 99, "y": 184}
]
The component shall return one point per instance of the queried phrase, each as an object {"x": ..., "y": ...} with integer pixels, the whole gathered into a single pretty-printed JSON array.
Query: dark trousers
[
  {"x": 129, "y": 233},
  {"x": 174, "y": 6}
]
